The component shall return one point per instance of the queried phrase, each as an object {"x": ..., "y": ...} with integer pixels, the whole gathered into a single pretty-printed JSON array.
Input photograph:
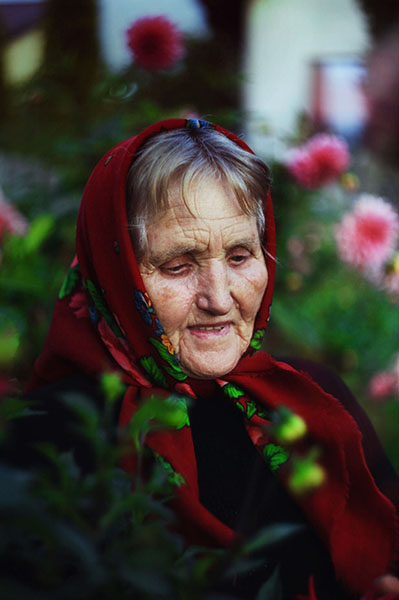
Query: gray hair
[{"x": 189, "y": 156}]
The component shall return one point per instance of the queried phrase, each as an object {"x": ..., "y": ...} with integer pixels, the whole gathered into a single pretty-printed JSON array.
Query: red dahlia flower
[
  {"x": 155, "y": 42},
  {"x": 318, "y": 162}
]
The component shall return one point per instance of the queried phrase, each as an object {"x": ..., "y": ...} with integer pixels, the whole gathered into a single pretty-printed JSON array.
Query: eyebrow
[
  {"x": 164, "y": 257},
  {"x": 248, "y": 243},
  {"x": 157, "y": 259}
]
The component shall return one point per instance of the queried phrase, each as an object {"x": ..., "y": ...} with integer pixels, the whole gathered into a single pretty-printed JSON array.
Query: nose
[{"x": 214, "y": 290}]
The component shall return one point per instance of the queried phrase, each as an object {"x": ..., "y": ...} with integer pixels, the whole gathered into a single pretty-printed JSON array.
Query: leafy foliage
[{"x": 72, "y": 532}]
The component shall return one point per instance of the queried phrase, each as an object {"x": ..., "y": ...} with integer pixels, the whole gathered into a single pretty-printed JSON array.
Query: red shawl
[{"x": 104, "y": 320}]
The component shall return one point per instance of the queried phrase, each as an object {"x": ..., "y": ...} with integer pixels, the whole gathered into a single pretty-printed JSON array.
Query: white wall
[{"x": 283, "y": 38}]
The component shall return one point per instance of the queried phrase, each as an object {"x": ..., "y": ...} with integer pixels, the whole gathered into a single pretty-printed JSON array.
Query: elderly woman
[{"x": 172, "y": 287}]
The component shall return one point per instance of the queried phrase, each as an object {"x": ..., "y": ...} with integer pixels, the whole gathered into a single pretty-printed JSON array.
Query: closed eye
[
  {"x": 177, "y": 266},
  {"x": 175, "y": 269},
  {"x": 240, "y": 257}
]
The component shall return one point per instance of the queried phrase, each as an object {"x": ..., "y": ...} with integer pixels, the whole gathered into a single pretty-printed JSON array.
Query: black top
[
  {"x": 237, "y": 486},
  {"x": 245, "y": 499}
]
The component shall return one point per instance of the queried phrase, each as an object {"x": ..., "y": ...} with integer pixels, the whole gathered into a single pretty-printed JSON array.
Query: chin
[{"x": 210, "y": 369}]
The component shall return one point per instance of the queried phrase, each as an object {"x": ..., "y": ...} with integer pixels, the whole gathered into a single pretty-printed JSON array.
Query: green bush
[{"x": 67, "y": 531}]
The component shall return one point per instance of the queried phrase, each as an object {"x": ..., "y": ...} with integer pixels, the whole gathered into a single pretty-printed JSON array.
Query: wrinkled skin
[{"x": 206, "y": 275}]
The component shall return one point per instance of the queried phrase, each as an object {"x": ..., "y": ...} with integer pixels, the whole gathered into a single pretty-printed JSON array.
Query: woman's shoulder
[
  {"x": 381, "y": 468},
  {"x": 328, "y": 380}
]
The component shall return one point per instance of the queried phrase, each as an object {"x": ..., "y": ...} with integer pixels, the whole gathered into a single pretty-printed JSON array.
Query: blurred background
[{"x": 312, "y": 86}]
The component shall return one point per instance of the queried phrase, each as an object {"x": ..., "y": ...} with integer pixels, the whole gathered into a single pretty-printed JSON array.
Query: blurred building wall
[
  {"x": 284, "y": 38},
  {"x": 23, "y": 56},
  {"x": 22, "y": 38}
]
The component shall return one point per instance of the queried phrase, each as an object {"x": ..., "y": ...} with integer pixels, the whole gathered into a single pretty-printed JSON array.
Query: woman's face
[{"x": 206, "y": 275}]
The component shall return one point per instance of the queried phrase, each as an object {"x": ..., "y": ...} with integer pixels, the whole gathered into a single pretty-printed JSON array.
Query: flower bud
[
  {"x": 307, "y": 476},
  {"x": 288, "y": 427}
]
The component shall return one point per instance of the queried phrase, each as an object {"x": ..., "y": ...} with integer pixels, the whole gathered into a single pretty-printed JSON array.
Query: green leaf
[
  {"x": 271, "y": 589},
  {"x": 156, "y": 412},
  {"x": 176, "y": 374},
  {"x": 270, "y": 535},
  {"x": 192, "y": 552},
  {"x": 307, "y": 475},
  {"x": 150, "y": 366},
  {"x": 176, "y": 479},
  {"x": 243, "y": 566},
  {"x": 251, "y": 408},
  {"x": 13, "y": 408},
  {"x": 178, "y": 406},
  {"x": 17, "y": 483},
  {"x": 39, "y": 230},
  {"x": 148, "y": 583},
  {"x": 257, "y": 339},
  {"x": 9, "y": 344},
  {"x": 112, "y": 386},
  {"x": 232, "y": 391},
  {"x": 70, "y": 282},
  {"x": 79, "y": 545},
  {"x": 102, "y": 307},
  {"x": 96, "y": 297},
  {"x": 275, "y": 456},
  {"x": 85, "y": 409},
  {"x": 174, "y": 369}
]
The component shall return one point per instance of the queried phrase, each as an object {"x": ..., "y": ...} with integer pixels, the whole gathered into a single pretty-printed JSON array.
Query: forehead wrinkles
[
  {"x": 216, "y": 229},
  {"x": 180, "y": 216},
  {"x": 209, "y": 219},
  {"x": 216, "y": 203}
]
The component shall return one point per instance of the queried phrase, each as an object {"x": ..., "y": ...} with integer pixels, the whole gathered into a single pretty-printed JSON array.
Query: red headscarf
[{"x": 104, "y": 320}]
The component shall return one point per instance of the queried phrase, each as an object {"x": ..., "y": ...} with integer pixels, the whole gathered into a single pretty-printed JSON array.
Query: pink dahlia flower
[
  {"x": 382, "y": 385},
  {"x": 155, "y": 42},
  {"x": 385, "y": 383},
  {"x": 366, "y": 237},
  {"x": 11, "y": 221},
  {"x": 318, "y": 162}
]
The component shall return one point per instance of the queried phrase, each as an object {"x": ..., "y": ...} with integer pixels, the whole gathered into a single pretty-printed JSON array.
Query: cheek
[
  {"x": 172, "y": 302},
  {"x": 251, "y": 288}
]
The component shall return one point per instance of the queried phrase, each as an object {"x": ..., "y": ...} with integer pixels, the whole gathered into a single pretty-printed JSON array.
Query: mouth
[{"x": 208, "y": 330}]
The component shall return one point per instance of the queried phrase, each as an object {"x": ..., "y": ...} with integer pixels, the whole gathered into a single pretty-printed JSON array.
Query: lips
[
  {"x": 209, "y": 330},
  {"x": 209, "y": 327}
]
